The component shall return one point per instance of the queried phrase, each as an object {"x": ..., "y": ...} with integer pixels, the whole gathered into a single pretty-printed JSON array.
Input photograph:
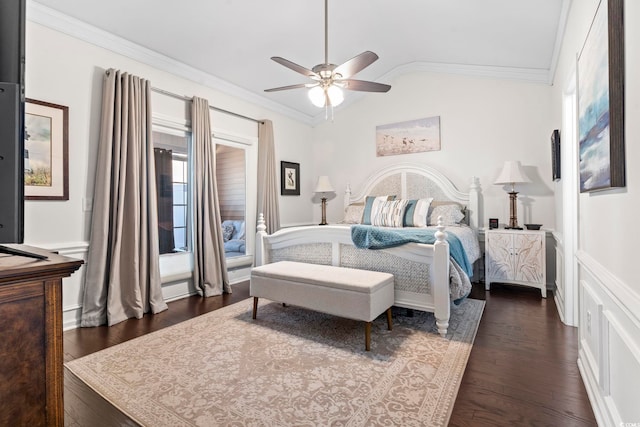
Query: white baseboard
[{"x": 177, "y": 286}]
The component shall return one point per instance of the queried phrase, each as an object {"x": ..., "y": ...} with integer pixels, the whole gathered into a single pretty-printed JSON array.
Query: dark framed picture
[
  {"x": 493, "y": 223},
  {"x": 289, "y": 179},
  {"x": 601, "y": 100},
  {"x": 46, "y": 151},
  {"x": 555, "y": 154}
]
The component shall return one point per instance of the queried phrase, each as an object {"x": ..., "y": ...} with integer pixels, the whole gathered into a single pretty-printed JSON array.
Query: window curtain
[
  {"x": 209, "y": 266},
  {"x": 268, "y": 202},
  {"x": 164, "y": 184},
  {"x": 123, "y": 272}
]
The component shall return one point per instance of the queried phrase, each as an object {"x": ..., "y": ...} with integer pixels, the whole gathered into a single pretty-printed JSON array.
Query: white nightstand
[{"x": 515, "y": 256}]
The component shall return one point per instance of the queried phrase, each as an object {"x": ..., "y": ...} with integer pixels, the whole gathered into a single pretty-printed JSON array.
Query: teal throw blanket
[{"x": 369, "y": 237}]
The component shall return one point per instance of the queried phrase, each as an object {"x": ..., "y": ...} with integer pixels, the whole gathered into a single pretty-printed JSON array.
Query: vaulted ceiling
[{"x": 233, "y": 40}]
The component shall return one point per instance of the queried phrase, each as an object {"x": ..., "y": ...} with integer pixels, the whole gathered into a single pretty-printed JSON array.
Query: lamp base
[
  {"x": 324, "y": 212},
  {"x": 514, "y": 228},
  {"x": 513, "y": 211}
]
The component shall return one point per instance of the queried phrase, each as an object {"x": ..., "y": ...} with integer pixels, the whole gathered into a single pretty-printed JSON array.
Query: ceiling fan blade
[
  {"x": 356, "y": 64},
  {"x": 298, "y": 86},
  {"x": 363, "y": 86},
  {"x": 295, "y": 67}
]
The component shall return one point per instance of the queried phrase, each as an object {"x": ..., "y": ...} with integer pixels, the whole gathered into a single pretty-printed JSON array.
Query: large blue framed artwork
[{"x": 601, "y": 100}]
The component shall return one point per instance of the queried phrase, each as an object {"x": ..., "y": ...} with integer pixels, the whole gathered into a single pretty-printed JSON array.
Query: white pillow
[
  {"x": 451, "y": 215},
  {"x": 353, "y": 214},
  {"x": 389, "y": 214}
]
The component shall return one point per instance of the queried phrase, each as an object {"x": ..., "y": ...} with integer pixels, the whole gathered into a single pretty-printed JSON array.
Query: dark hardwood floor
[{"x": 522, "y": 370}]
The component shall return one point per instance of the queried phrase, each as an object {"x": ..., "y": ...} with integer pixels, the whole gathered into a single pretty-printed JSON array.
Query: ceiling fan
[{"x": 329, "y": 79}]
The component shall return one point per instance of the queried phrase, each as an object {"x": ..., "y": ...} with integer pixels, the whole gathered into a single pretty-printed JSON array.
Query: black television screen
[{"x": 12, "y": 28}]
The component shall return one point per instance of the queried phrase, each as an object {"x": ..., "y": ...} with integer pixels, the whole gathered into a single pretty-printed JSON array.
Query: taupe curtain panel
[
  {"x": 209, "y": 266},
  {"x": 268, "y": 177},
  {"x": 123, "y": 272}
]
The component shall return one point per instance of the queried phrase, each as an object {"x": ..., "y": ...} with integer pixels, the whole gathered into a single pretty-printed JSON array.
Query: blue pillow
[{"x": 416, "y": 213}]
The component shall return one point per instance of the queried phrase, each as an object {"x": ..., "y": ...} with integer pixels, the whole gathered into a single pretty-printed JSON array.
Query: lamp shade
[
  {"x": 512, "y": 173},
  {"x": 323, "y": 185}
]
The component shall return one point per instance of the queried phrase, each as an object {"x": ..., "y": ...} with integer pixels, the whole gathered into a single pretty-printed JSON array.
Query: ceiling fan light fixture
[
  {"x": 317, "y": 96},
  {"x": 336, "y": 96},
  {"x": 330, "y": 79}
]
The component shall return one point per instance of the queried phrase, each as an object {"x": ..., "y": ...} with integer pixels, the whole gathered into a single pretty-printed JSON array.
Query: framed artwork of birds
[{"x": 413, "y": 136}]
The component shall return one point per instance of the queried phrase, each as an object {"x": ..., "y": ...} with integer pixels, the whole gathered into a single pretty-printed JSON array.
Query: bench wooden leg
[
  {"x": 367, "y": 336},
  {"x": 389, "y": 324},
  {"x": 255, "y": 306}
]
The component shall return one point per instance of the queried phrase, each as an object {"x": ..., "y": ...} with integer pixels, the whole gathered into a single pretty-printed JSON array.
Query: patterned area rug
[{"x": 289, "y": 367}]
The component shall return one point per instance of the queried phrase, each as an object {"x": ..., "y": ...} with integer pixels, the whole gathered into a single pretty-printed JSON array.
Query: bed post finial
[
  {"x": 260, "y": 235},
  {"x": 474, "y": 202},
  {"x": 347, "y": 195},
  {"x": 440, "y": 234},
  {"x": 261, "y": 224}
]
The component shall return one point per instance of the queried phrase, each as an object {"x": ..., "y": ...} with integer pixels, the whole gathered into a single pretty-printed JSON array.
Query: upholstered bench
[{"x": 344, "y": 292}]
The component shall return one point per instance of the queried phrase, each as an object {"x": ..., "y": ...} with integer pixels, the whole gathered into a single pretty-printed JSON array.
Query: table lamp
[
  {"x": 324, "y": 186},
  {"x": 512, "y": 173}
]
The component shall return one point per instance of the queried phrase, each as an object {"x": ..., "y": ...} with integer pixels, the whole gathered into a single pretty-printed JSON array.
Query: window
[
  {"x": 231, "y": 179},
  {"x": 172, "y": 182},
  {"x": 180, "y": 201}
]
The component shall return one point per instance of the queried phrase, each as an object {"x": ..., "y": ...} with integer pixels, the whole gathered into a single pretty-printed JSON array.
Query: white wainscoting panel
[
  {"x": 609, "y": 356},
  {"x": 175, "y": 271}
]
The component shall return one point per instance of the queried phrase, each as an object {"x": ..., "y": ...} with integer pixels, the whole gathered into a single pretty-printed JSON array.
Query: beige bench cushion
[
  {"x": 346, "y": 292},
  {"x": 349, "y": 279}
]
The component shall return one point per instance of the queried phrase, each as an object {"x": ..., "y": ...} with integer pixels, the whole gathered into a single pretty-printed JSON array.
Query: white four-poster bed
[{"x": 421, "y": 271}]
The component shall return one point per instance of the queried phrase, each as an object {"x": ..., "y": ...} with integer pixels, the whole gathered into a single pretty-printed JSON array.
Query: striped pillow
[
  {"x": 389, "y": 214},
  {"x": 416, "y": 213},
  {"x": 371, "y": 203}
]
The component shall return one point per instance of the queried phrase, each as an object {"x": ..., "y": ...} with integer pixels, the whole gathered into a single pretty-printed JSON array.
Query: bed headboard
[{"x": 412, "y": 181}]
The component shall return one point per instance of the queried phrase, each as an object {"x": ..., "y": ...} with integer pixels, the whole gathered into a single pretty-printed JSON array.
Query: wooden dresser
[{"x": 31, "y": 358}]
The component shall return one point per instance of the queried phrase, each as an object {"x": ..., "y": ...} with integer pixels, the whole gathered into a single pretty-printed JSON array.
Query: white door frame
[{"x": 569, "y": 164}]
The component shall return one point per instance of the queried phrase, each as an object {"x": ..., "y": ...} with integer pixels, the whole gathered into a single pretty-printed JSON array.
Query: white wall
[
  {"x": 609, "y": 292},
  {"x": 483, "y": 122},
  {"x": 65, "y": 70}
]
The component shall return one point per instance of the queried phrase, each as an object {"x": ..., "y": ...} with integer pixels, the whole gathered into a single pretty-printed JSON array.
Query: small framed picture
[
  {"x": 289, "y": 179},
  {"x": 555, "y": 154},
  {"x": 493, "y": 223}
]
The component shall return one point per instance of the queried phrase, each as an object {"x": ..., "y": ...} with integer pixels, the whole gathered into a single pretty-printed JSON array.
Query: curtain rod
[{"x": 211, "y": 107}]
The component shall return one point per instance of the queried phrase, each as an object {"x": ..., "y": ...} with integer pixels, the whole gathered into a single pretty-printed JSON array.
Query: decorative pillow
[
  {"x": 371, "y": 202},
  {"x": 451, "y": 215},
  {"x": 389, "y": 213},
  {"x": 416, "y": 213},
  {"x": 353, "y": 214},
  {"x": 227, "y": 231}
]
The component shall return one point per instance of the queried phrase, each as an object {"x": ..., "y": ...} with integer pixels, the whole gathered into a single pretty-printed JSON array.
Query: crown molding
[
  {"x": 530, "y": 75},
  {"x": 557, "y": 47},
  {"x": 73, "y": 27}
]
